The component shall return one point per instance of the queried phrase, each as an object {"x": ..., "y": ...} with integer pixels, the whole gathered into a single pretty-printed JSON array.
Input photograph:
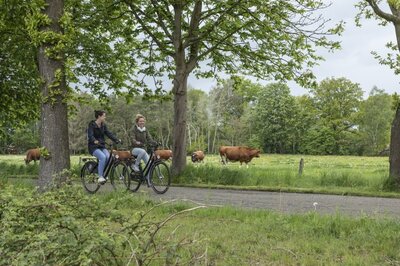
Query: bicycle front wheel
[
  {"x": 120, "y": 176},
  {"x": 89, "y": 177},
  {"x": 160, "y": 177}
]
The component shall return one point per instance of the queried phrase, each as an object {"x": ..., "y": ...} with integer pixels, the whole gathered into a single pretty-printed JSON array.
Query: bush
[{"x": 68, "y": 227}]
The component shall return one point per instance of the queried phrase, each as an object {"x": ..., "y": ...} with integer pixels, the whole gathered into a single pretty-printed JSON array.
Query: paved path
[{"x": 286, "y": 202}]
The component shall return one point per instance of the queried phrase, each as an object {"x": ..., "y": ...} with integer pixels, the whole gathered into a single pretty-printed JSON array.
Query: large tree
[
  {"x": 374, "y": 120},
  {"x": 54, "y": 109},
  {"x": 19, "y": 85},
  {"x": 337, "y": 100},
  {"x": 267, "y": 39},
  {"x": 377, "y": 9},
  {"x": 45, "y": 47},
  {"x": 227, "y": 107},
  {"x": 275, "y": 124},
  {"x": 33, "y": 76}
]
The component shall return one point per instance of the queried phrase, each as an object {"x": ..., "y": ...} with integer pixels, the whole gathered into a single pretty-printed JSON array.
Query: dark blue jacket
[{"x": 95, "y": 132}]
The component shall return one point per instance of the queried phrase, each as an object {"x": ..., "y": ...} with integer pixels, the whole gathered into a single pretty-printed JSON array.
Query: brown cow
[
  {"x": 241, "y": 154},
  {"x": 122, "y": 155},
  {"x": 222, "y": 152},
  {"x": 197, "y": 156},
  {"x": 163, "y": 154},
  {"x": 32, "y": 155}
]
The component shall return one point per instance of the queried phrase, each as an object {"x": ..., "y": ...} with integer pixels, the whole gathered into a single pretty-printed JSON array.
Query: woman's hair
[
  {"x": 98, "y": 113},
  {"x": 138, "y": 116}
]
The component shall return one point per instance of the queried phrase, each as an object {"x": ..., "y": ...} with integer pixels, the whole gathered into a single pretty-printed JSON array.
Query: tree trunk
[
  {"x": 179, "y": 131},
  {"x": 54, "y": 120},
  {"x": 394, "y": 157}
]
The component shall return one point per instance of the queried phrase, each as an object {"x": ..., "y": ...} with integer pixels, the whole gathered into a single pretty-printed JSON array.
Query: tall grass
[
  {"x": 338, "y": 174},
  {"x": 8, "y": 169}
]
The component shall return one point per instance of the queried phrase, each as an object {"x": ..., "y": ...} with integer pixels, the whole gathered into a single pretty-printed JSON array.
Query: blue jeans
[
  {"x": 102, "y": 155},
  {"x": 140, "y": 154}
]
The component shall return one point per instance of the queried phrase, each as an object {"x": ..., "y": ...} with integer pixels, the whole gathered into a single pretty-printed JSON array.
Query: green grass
[
  {"x": 242, "y": 237},
  {"x": 321, "y": 174},
  {"x": 207, "y": 236}
]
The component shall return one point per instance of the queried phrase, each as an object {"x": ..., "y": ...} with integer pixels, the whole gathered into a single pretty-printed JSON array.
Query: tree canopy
[{"x": 120, "y": 45}]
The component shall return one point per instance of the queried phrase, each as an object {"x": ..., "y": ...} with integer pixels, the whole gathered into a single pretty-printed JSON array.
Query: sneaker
[
  {"x": 135, "y": 168},
  {"x": 101, "y": 179}
]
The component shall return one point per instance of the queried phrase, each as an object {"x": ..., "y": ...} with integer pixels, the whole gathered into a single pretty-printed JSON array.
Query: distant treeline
[{"x": 334, "y": 118}]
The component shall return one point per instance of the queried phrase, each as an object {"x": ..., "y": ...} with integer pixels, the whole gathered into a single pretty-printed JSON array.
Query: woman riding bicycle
[
  {"x": 141, "y": 137},
  {"x": 97, "y": 130}
]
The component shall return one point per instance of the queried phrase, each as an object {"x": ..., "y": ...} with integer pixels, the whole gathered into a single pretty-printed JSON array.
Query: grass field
[
  {"x": 321, "y": 174},
  {"x": 69, "y": 226}
]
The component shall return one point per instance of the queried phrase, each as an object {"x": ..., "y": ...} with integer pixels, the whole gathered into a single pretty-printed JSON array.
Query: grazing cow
[
  {"x": 122, "y": 155},
  {"x": 163, "y": 154},
  {"x": 197, "y": 156},
  {"x": 241, "y": 154},
  {"x": 222, "y": 152},
  {"x": 32, "y": 155}
]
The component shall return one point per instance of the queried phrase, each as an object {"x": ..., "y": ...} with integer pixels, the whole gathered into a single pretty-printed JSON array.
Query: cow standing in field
[
  {"x": 222, "y": 152},
  {"x": 163, "y": 154},
  {"x": 32, "y": 155},
  {"x": 240, "y": 153},
  {"x": 197, "y": 156}
]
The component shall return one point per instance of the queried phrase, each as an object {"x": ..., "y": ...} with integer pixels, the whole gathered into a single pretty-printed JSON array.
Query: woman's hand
[{"x": 96, "y": 142}]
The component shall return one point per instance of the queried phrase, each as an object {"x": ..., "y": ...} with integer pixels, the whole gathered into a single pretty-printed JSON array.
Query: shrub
[{"x": 68, "y": 227}]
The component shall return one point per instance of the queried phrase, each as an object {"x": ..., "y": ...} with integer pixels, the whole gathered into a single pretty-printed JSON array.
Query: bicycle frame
[
  {"x": 110, "y": 171},
  {"x": 109, "y": 164},
  {"x": 147, "y": 167}
]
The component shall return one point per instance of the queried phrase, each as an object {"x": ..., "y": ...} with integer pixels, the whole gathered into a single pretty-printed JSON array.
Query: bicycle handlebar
[{"x": 111, "y": 145}]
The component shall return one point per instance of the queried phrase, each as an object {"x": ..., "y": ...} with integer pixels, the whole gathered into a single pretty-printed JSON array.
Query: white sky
[{"x": 354, "y": 61}]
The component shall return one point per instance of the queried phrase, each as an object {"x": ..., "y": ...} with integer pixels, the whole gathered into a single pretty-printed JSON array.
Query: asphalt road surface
[{"x": 285, "y": 202}]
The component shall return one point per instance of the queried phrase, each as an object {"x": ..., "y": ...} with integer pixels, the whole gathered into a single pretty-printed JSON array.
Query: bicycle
[
  {"x": 115, "y": 169},
  {"x": 155, "y": 174}
]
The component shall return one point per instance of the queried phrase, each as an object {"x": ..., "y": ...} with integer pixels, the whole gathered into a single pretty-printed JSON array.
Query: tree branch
[
  {"x": 160, "y": 20},
  {"x": 379, "y": 12},
  {"x": 194, "y": 33},
  {"x": 135, "y": 11}
]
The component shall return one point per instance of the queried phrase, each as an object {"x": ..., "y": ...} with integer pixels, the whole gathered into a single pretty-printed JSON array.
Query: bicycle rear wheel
[
  {"x": 89, "y": 177},
  {"x": 120, "y": 176},
  {"x": 160, "y": 177}
]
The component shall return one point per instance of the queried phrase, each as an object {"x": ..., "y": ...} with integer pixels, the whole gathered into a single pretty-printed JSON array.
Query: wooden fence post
[{"x": 301, "y": 166}]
